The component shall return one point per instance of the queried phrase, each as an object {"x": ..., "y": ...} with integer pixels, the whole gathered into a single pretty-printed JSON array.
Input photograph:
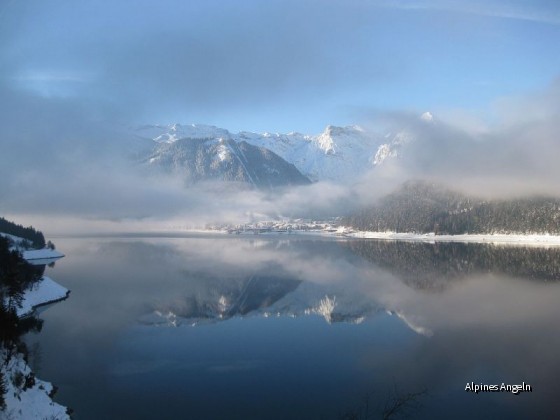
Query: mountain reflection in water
[{"x": 289, "y": 327}]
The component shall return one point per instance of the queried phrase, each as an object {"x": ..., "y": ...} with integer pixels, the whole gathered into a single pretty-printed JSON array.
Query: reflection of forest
[
  {"x": 432, "y": 266},
  {"x": 16, "y": 275}
]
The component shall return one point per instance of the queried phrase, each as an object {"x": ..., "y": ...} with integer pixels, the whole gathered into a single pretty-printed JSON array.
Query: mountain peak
[
  {"x": 334, "y": 130},
  {"x": 427, "y": 116},
  {"x": 337, "y": 154},
  {"x": 333, "y": 136}
]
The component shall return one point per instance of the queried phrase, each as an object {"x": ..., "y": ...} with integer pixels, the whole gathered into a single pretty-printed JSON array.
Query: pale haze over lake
[
  {"x": 136, "y": 134},
  {"x": 281, "y": 326}
]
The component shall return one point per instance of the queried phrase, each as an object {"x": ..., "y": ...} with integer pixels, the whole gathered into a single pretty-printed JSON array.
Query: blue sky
[{"x": 276, "y": 65}]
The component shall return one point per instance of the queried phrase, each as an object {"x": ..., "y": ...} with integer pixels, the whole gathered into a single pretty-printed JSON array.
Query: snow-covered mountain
[
  {"x": 222, "y": 159},
  {"x": 339, "y": 154},
  {"x": 174, "y": 132},
  {"x": 392, "y": 148}
]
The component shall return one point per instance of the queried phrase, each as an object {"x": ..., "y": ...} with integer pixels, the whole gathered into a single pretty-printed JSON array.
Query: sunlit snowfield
[{"x": 298, "y": 327}]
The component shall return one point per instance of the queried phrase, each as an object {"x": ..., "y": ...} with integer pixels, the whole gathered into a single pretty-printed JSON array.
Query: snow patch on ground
[
  {"x": 28, "y": 397},
  {"x": 33, "y": 402},
  {"x": 494, "y": 238},
  {"x": 15, "y": 239},
  {"x": 41, "y": 293},
  {"x": 33, "y": 256},
  {"x": 331, "y": 229},
  {"x": 223, "y": 152},
  {"x": 42, "y": 254}
]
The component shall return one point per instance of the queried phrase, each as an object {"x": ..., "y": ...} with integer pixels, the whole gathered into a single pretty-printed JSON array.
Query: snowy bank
[
  {"x": 15, "y": 239},
  {"x": 43, "y": 292},
  {"x": 345, "y": 232},
  {"x": 493, "y": 238},
  {"x": 41, "y": 256},
  {"x": 33, "y": 256},
  {"x": 26, "y": 396}
]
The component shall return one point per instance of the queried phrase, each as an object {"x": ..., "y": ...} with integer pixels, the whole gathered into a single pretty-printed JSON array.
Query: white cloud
[{"x": 544, "y": 12}]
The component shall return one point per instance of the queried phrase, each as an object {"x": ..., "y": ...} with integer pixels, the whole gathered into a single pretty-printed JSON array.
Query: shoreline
[
  {"x": 490, "y": 238},
  {"x": 45, "y": 292},
  {"x": 41, "y": 256},
  {"x": 35, "y": 398},
  {"x": 342, "y": 233},
  {"x": 485, "y": 238}
]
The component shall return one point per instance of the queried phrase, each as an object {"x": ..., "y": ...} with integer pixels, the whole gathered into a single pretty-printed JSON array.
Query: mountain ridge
[
  {"x": 337, "y": 154},
  {"x": 208, "y": 159}
]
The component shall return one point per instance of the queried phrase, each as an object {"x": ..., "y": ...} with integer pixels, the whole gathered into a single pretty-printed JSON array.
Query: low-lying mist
[
  {"x": 71, "y": 168},
  {"x": 510, "y": 151}
]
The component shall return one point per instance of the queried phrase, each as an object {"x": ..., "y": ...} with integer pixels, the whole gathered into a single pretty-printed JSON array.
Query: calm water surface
[{"x": 284, "y": 327}]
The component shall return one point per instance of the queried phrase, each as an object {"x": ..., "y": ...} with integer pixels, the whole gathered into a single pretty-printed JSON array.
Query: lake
[{"x": 300, "y": 327}]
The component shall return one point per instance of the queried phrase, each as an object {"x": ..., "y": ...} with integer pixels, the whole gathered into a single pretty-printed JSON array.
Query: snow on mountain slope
[
  {"x": 392, "y": 148},
  {"x": 223, "y": 159},
  {"x": 338, "y": 154},
  {"x": 32, "y": 399},
  {"x": 395, "y": 143},
  {"x": 174, "y": 132}
]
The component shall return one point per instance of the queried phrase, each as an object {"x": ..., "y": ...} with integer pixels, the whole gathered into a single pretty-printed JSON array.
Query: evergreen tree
[
  {"x": 29, "y": 233},
  {"x": 420, "y": 207}
]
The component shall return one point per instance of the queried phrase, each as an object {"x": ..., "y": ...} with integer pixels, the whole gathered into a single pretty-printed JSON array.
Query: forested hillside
[
  {"x": 16, "y": 275},
  {"x": 422, "y": 207},
  {"x": 36, "y": 237}
]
